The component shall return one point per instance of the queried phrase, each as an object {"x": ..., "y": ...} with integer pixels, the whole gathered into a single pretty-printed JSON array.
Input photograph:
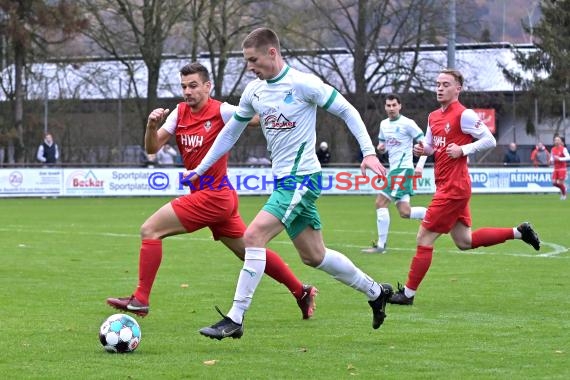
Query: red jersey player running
[
  {"x": 559, "y": 156},
  {"x": 449, "y": 137},
  {"x": 196, "y": 122}
]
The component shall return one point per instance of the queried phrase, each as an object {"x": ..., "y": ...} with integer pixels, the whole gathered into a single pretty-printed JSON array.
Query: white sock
[
  {"x": 342, "y": 269},
  {"x": 517, "y": 234},
  {"x": 383, "y": 224},
  {"x": 409, "y": 292},
  {"x": 249, "y": 277},
  {"x": 417, "y": 212}
]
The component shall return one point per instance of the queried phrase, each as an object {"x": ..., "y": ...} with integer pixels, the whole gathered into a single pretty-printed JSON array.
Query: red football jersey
[
  {"x": 558, "y": 151},
  {"x": 451, "y": 174},
  {"x": 195, "y": 134}
]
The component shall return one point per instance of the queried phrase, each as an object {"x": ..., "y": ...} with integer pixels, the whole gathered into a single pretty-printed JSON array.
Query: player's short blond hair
[
  {"x": 261, "y": 39},
  {"x": 455, "y": 74}
]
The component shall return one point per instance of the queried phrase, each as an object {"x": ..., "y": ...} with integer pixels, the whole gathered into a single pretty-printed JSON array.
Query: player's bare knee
[
  {"x": 311, "y": 261},
  {"x": 404, "y": 214},
  {"x": 419, "y": 238},
  {"x": 249, "y": 239},
  {"x": 382, "y": 202},
  {"x": 253, "y": 238},
  {"x": 311, "y": 256},
  {"x": 148, "y": 231}
]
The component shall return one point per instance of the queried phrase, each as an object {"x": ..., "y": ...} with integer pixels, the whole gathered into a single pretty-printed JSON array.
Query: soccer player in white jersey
[
  {"x": 396, "y": 137},
  {"x": 286, "y": 101}
]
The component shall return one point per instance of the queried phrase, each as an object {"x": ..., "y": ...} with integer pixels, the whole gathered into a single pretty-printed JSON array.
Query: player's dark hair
[
  {"x": 261, "y": 39},
  {"x": 196, "y": 68},
  {"x": 393, "y": 97},
  {"x": 454, "y": 73}
]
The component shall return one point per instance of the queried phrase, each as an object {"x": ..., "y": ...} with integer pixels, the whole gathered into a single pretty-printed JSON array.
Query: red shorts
[
  {"x": 559, "y": 174},
  {"x": 217, "y": 210},
  {"x": 443, "y": 213}
]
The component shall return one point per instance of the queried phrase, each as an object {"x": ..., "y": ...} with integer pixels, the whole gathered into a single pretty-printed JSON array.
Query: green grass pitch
[{"x": 500, "y": 312}]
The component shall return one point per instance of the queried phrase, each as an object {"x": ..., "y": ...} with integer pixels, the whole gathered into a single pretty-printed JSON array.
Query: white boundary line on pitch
[{"x": 557, "y": 249}]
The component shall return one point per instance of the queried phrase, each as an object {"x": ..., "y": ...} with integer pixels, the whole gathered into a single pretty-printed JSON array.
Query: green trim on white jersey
[
  {"x": 331, "y": 100},
  {"x": 241, "y": 119},
  {"x": 298, "y": 159},
  {"x": 280, "y": 76}
]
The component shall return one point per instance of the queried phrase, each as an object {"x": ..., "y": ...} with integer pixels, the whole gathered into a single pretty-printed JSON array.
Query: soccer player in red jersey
[
  {"x": 559, "y": 156},
  {"x": 196, "y": 122},
  {"x": 449, "y": 136}
]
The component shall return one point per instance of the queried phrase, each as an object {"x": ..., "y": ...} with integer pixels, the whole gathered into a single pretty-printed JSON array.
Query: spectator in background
[
  {"x": 260, "y": 162},
  {"x": 323, "y": 153},
  {"x": 166, "y": 155},
  {"x": 150, "y": 160},
  {"x": 540, "y": 155},
  {"x": 48, "y": 151},
  {"x": 512, "y": 156}
]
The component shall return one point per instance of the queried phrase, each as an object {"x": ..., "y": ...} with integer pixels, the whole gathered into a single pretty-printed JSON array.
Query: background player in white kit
[
  {"x": 396, "y": 137},
  {"x": 286, "y": 101}
]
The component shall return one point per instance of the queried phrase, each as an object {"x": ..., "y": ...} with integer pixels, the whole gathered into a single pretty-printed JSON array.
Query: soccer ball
[{"x": 120, "y": 333}]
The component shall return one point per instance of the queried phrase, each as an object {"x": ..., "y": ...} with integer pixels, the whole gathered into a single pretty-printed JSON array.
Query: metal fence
[{"x": 111, "y": 132}]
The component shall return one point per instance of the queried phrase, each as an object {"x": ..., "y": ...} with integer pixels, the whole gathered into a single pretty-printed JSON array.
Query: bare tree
[
  {"x": 30, "y": 26},
  {"x": 360, "y": 44},
  {"x": 221, "y": 31},
  {"x": 548, "y": 64},
  {"x": 123, "y": 28},
  {"x": 196, "y": 10},
  {"x": 362, "y": 47},
  {"x": 366, "y": 47}
]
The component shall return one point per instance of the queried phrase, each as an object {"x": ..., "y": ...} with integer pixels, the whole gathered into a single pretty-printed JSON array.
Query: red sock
[
  {"x": 149, "y": 262},
  {"x": 277, "y": 269},
  {"x": 420, "y": 265},
  {"x": 484, "y": 237}
]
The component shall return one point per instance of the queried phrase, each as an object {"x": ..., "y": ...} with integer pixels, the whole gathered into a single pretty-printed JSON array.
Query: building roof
[{"x": 102, "y": 78}]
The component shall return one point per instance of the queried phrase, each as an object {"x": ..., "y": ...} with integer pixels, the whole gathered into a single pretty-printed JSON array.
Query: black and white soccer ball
[{"x": 120, "y": 333}]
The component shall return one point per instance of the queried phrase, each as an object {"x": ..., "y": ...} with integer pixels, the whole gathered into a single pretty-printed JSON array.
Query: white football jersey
[
  {"x": 399, "y": 136},
  {"x": 287, "y": 108}
]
